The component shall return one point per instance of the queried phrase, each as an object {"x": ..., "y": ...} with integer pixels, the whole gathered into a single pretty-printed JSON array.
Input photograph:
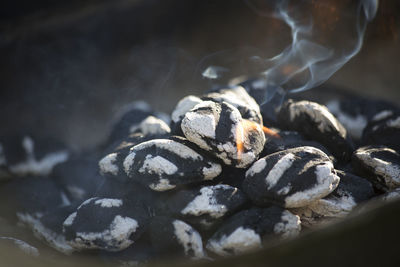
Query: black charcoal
[
  {"x": 246, "y": 230},
  {"x": 162, "y": 164},
  {"x": 220, "y": 129},
  {"x": 291, "y": 178},
  {"x": 380, "y": 164},
  {"x": 31, "y": 197},
  {"x": 384, "y": 129},
  {"x": 24, "y": 155},
  {"x": 79, "y": 176},
  {"x": 106, "y": 223},
  {"x": 49, "y": 228},
  {"x": 206, "y": 205},
  {"x": 175, "y": 237},
  {"x": 315, "y": 122}
]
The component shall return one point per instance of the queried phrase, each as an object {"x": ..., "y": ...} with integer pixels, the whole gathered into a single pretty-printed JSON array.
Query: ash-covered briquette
[
  {"x": 151, "y": 126},
  {"x": 383, "y": 129},
  {"x": 356, "y": 112},
  {"x": 110, "y": 224},
  {"x": 238, "y": 97},
  {"x": 351, "y": 191},
  {"x": 245, "y": 231},
  {"x": 129, "y": 118},
  {"x": 163, "y": 164},
  {"x": 380, "y": 164},
  {"x": 30, "y": 196},
  {"x": 20, "y": 245},
  {"x": 79, "y": 176},
  {"x": 49, "y": 227},
  {"x": 391, "y": 195},
  {"x": 183, "y": 106},
  {"x": 291, "y": 178},
  {"x": 170, "y": 236},
  {"x": 217, "y": 128},
  {"x": 290, "y": 139},
  {"x": 24, "y": 155},
  {"x": 315, "y": 122},
  {"x": 204, "y": 206}
]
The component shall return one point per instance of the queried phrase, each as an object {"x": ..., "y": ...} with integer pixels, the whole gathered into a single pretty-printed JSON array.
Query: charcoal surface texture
[
  {"x": 380, "y": 164},
  {"x": 219, "y": 129},
  {"x": 384, "y": 129},
  {"x": 315, "y": 122},
  {"x": 172, "y": 236},
  {"x": 206, "y": 205},
  {"x": 183, "y": 106},
  {"x": 79, "y": 176},
  {"x": 246, "y": 230},
  {"x": 162, "y": 164},
  {"x": 23, "y": 155},
  {"x": 291, "y": 178},
  {"x": 240, "y": 99},
  {"x": 110, "y": 224}
]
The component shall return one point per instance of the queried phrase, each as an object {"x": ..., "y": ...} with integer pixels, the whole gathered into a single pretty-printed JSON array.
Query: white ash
[
  {"x": 238, "y": 242},
  {"x": 108, "y": 164},
  {"x": 209, "y": 173},
  {"x": 70, "y": 219},
  {"x": 279, "y": 169},
  {"x": 151, "y": 126},
  {"x": 205, "y": 203},
  {"x": 392, "y": 195},
  {"x": 23, "y": 246},
  {"x": 109, "y": 202},
  {"x": 327, "y": 181},
  {"x": 309, "y": 108},
  {"x": 388, "y": 170},
  {"x": 118, "y": 234},
  {"x": 158, "y": 165},
  {"x": 333, "y": 206},
  {"x": 55, "y": 240},
  {"x": 162, "y": 185},
  {"x": 284, "y": 190},
  {"x": 382, "y": 115},
  {"x": 257, "y": 167},
  {"x": 189, "y": 239},
  {"x": 353, "y": 124},
  {"x": 200, "y": 125},
  {"x": 289, "y": 226},
  {"x": 183, "y": 106}
]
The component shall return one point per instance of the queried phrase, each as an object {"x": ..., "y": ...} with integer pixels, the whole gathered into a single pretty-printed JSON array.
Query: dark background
[{"x": 67, "y": 66}]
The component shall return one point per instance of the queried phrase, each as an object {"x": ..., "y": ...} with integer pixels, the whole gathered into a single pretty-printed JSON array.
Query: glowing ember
[{"x": 244, "y": 128}]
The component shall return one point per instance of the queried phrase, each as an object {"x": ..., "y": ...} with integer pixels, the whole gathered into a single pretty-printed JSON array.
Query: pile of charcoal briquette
[{"x": 205, "y": 182}]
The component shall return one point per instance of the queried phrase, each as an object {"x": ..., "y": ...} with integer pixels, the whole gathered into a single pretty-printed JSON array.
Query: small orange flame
[{"x": 246, "y": 126}]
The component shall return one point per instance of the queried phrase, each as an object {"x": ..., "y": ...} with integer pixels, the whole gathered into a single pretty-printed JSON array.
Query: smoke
[{"x": 325, "y": 36}]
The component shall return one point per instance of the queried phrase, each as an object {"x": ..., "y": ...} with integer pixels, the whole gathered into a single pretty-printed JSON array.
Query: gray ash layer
[
  {"x": 291, "y": 178},
  {"x": 246, "y": 230},
  {"x": 380, "y": 164},
  {"x": 315, "y": 121},
  {"x": 217, "y": 127},
  {"x": 163, "y": 164}
]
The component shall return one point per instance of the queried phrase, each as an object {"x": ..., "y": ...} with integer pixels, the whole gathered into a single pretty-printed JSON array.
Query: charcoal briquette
[
  {"x": 291, "y": 178},
  {"x": 219, "y": 128},
  {"x": 163, "y": 164},
  {"x": 171, "y": 236},
  {"x": 246, "y": 230},
  {"x": 383, "y": 129},
  {"x": 105, "y": 223},
  {"x": 315, "y": 122},
  {"x": 380, "y": 164},
  {"x": 206, "y": 205},
  {"x": 183, "y": 106},
  {"x": 20, "y": 245}
]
